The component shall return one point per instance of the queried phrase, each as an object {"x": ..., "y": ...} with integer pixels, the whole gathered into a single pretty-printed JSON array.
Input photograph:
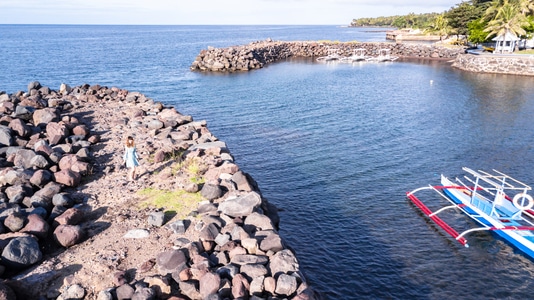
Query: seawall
[
  {"x": 73, "y": 227},
  {"x": 257, "y": 54},
  {"x": 495, "y": 63}
]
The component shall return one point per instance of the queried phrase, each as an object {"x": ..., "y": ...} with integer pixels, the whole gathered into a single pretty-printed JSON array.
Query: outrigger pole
[{"x": 434, "y": 217}]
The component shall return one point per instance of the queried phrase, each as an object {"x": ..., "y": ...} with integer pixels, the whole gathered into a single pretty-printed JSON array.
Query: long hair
[{"x": 130, "y": 142}]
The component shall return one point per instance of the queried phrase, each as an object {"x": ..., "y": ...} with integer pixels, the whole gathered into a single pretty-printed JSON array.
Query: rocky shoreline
[
  {"x": 258, "y": 54},
  {"x": 72, "y": 227}
]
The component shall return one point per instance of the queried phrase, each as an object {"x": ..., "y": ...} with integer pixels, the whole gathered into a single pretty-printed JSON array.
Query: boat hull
[{"x": 519, "y": 239}]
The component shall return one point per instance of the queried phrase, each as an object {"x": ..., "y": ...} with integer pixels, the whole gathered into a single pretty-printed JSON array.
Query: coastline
[{"x": 228, "y": 246}]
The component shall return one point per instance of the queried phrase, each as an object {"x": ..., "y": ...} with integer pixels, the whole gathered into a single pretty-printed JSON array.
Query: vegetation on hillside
[{"x": 476, "y": 21}]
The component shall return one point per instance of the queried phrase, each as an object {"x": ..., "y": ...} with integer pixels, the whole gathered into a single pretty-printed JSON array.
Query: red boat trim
[{"x": 437, "y": 219}]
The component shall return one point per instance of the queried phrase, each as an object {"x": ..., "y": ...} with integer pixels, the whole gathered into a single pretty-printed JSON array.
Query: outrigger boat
[
  {"x": 383, "y": 55},
  {"x": 332, "y": 54},
  {"x": 496, "y": 201},
  {"x": 357, "y": 55}
]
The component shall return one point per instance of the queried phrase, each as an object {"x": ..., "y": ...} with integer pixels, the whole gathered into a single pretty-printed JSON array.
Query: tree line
[{"x": 478, "y": 21}]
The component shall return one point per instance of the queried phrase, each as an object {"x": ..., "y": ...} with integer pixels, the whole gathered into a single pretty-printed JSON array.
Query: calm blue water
[{"x": 335, "y": 146}]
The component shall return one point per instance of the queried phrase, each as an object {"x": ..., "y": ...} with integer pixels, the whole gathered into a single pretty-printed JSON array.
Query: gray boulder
[
  {"x": 34, "y": 85},
  {"x": 241, "y": 206},
  {"x": 171, "y": 261},
  {"x": 286, "y": 285},
  {"x": 125, "y": 291},
  {"x": 16, "y": 193},
  {"x": 44, "y": 116},
  {"x": 23, "y": 112},
  {"x": 211, "y": 191},
  {"x": 242, "y": 182},
  {"x": 40, "y": 162},
  {"x": 62, "y": 199},
  {"x": 21, "y": 252},
  {"x": 209, "y": 232},
  {"x": 23, "y": 158},
  {"x": 248, "y": 259},
  {"x": 283, "y": 262},
  {"x": 156, "y": 219},
  {"x": 41, "y": 178},
  {"x": 73, "y": 292},
  {"x": 189, "y": 289},
  {"x": 256, "y": 221},
  {"x": 253, "y": 271},
  {"x": 271, "y": 242},
  {"x": 6, "y": 139}
]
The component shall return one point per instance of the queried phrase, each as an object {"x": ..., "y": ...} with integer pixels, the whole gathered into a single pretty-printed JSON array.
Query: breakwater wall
[
  {"x": 257, "y": 54},
  {"x": 71, "y": 227},
  {"x": 494, "y": 63}
]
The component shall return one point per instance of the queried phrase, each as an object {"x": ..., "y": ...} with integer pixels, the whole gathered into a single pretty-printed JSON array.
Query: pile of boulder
[
  {"x": 228, "y": 248},
  {"x": 42, "y": 152},
  {"x": 257, "y": 54}
]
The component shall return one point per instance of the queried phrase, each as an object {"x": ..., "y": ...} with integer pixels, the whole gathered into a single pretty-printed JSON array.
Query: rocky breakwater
[
  {"x": 72, "y": 227},
  {"x": 495, "y": 63},
  {"x": 257, "y": 54}
]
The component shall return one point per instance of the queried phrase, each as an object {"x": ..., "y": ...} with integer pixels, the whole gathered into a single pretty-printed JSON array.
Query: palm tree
[
  {"x": 440, "y": 26},
  {"x": 508, "y": 18},
  {"x": 492, "y": 9},
  {"x": 525, "y": 6}
]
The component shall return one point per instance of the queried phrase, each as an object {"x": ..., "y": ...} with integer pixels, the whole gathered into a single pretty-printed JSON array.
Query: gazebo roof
[{"x": 508, "y": 36}]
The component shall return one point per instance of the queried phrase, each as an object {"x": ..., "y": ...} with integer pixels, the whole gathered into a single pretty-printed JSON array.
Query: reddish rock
[
  {"x": 240, "y": 287},
  {"x": 159, "y": 156},
  {"x": 15, "y": 222},
  {"x": 42, "y": 147},
  {"x": 68, "y": 235},
  {"x": 56, "y": 132},
  {"x": 68, "y": 177},
  {"x": 94, "y": 139},
  {"x": 71, "y": 216},
  {"x": 41, "y": 177},
  {"x": 21, "y": 128},
  {"x": 80, "y": 130},
  {"x": 242, "y": 182},
  {"x": 209, "y": 284},
  {"x": 269, "y": 284},
  {"x": 185, "y": 274},
  {"x": 45, "y": 116},
  {"x": 36, "y": 226}
]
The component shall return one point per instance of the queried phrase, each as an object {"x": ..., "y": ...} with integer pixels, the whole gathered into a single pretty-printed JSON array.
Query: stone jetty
[
  {"x": 71, "y": 225},
  {"x": 257, "y": 54},
  {"x": 496, "y": 63}
]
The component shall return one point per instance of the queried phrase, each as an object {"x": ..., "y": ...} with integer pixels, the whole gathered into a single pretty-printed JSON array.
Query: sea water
[{"x": 334, "y": 146}]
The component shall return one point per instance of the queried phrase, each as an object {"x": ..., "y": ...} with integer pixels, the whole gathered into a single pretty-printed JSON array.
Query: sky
[{"x": 209, "y": 12}]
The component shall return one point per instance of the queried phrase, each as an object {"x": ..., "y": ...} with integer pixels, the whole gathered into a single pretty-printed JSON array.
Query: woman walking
[{"x": 130, "y": 157}]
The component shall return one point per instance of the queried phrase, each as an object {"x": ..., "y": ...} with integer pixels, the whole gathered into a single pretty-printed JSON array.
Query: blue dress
[{"x": 130, "y": 157}]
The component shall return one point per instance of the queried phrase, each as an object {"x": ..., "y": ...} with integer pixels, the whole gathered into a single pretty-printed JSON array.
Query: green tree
[
  {"x": 459, "y": 16},
  {"x": 476, "y": 31}
]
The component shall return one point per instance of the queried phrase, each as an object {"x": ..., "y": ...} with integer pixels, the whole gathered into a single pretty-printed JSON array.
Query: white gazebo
[{"x": 505, "y": 42}]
